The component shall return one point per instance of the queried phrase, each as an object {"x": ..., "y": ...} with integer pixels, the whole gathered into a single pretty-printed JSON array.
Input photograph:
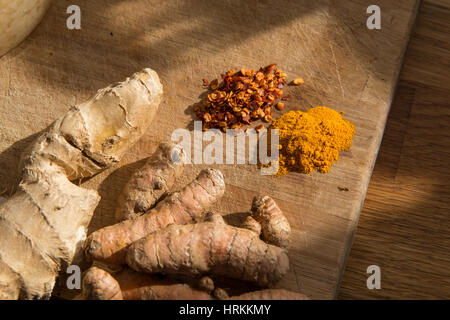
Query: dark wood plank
[{"x": 404, "y": 226}]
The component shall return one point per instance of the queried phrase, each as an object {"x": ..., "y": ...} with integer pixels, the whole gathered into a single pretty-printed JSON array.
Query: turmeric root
[
  {"x": 206, "y": 284},
  {"x": 130, "y": 285},
  {"x": 98, "y": 284},
  {"x": 214, "y": 217},
  {"x": 274, "y": 225},
  {"x": 151, "y": 182},
  {"x": 209, "y": 248},
  {"x": 220, "y": 294},
  {"x": 271, "y": 294},
  {"x": 108, "y": 245},
  {"x": 251, "y": 224},
  {"x": 139, "y": 286},
  {"x": 44, "y": 223}
]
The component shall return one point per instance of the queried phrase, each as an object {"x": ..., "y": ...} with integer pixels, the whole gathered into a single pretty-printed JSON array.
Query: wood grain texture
[
  {"x": 345, "y": 66},
  {"x": 405, "y": 225}
]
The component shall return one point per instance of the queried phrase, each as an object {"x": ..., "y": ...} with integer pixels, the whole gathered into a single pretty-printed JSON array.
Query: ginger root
[
  {"x": 109, "y": 245},
  {"x": 274, "y": 225},
  {"x": 149, "y": 183},
  {"x": 44, "y": 223},
  {"x": 209, "y": 248}
]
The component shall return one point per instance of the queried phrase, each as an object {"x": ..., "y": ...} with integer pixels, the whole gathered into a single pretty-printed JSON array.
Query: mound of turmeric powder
[{"x": 312, "y": 140}]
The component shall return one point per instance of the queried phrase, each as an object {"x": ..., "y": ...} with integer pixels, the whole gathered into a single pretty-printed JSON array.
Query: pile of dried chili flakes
[{"x": 242, "y": 97}]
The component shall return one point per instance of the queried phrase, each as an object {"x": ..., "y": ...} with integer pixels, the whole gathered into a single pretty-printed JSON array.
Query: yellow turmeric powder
[{"x": 312, "y": 140}]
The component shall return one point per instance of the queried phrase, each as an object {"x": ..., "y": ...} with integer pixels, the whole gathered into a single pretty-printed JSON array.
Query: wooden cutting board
[{"x": 345, "y": 66}]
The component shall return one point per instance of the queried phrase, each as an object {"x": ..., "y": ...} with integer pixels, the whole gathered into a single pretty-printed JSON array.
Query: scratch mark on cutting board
[
  {"x": 312, "y": 71},
  {"x": 337, "y": 69},
  {"x": 9, "y": 76},
  {"x": 362, "y": 91}
]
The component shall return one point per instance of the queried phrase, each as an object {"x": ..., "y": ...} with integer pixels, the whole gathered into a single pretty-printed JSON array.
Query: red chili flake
[{"x": 244, "y": 96}]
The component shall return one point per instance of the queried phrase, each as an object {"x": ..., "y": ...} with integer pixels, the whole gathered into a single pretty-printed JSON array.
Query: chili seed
[
  {"x": 298, "y": 81},
  {"x": 280, "y": 106}
]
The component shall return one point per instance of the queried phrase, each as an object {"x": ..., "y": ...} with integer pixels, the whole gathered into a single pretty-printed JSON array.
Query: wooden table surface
[{"x": 404, "y": 227}]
